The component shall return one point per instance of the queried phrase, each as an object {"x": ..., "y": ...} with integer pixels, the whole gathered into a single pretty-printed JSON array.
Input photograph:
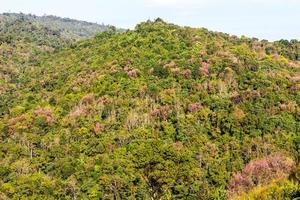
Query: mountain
[
  {"x": 68, "y": 28},
  {"x": 24, "y": 39},
  {"x": 158, "y": 112}
]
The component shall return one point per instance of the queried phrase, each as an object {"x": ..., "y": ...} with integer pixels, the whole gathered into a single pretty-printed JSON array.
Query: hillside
[
  {"x": 24, "y": 39},
  {"x": 158, "y": 112}
]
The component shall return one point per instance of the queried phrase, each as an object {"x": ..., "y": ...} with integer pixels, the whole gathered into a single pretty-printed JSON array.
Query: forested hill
[
  {"x": 158, "y": 112},
  {"x": 24, "y": 39}
]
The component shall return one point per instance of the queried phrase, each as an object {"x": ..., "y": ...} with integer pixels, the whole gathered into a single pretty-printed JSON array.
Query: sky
[{"x": 263, "y": 19}]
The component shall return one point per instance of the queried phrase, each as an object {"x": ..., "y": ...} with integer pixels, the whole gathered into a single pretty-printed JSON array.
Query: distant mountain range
[{"x": 68, "y": 28}]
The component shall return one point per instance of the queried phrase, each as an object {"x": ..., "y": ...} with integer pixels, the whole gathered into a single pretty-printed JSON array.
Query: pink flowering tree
[
  {"x": 187, "y": 73},
  {"x": 193, "y": 107},
  {"x": 204, "y": 69},
  {"x": 260, "y": 171},
  {"x": 132, "y": 73},
  {"x": 45, "y": 114}
]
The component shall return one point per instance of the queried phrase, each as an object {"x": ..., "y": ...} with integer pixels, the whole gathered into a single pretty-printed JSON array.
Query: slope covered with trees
[
  {"x": 24, "y": 39},
  {"x": 158, "y": 112}
]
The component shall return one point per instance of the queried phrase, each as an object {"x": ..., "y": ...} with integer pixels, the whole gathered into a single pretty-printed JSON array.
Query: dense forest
[
  {"x": 25, "y": 39},
  {"x": 158, "y": 112}
]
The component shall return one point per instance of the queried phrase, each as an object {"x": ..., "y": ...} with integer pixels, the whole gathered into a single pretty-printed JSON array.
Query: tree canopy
[{"x": 158, "y": 112}]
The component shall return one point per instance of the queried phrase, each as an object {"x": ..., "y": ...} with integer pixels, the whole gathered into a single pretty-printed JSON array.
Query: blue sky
[{"x": 264, "y": 19}]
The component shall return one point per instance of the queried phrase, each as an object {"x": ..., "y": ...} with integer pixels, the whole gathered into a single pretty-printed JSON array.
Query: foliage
[
  {"x": 25, "y": 39},
  {"x": 158, "y": 112},
  {"x": 277, "y": 190},
  {"x": 259, "y": 172}
]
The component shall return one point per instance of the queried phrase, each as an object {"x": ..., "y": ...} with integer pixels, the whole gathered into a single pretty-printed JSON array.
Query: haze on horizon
[{"x": 268, "y": 19}]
